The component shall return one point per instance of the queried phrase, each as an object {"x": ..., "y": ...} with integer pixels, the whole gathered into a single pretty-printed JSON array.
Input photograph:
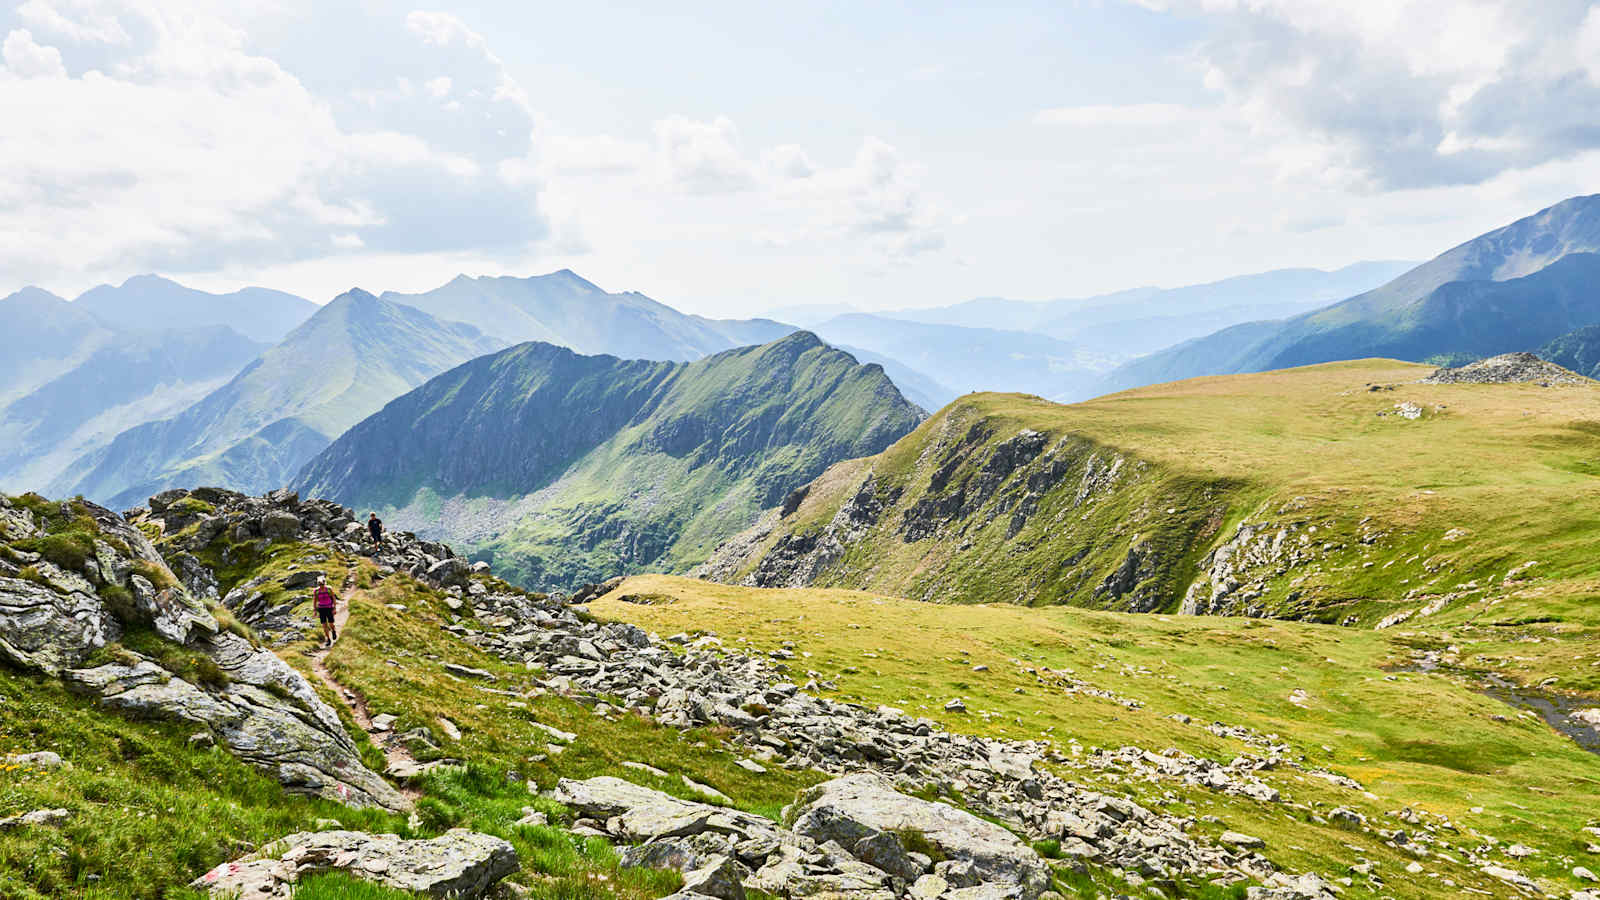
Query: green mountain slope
[
  {"x": 564, "y": 469},
  {"x": 253, "y": 433},
  {"x": 135, "y": 379},
  {"x": 1344, "y": 492},
  {"x": 1511, "y": 289},
  {"x": 562, "y": 308}
]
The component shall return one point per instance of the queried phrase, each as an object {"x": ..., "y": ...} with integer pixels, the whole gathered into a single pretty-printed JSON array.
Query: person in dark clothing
[
  {"x": 375, "y": 526},
  {"x": 327, "y": 604}
]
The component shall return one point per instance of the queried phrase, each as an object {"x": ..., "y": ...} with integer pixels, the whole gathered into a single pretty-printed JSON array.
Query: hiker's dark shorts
[{"x": 325, "y": 616}]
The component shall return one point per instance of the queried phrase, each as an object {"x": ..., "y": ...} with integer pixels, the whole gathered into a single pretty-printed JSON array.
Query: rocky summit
[{"x": 1507, "y": 368}]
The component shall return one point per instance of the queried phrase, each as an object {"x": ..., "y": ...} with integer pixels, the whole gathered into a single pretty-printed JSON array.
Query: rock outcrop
[
  {"x": 91, "y": 578},
  {"x": 842, "y": 838},
  {"x": 462, "y": 865},
  {"x": 1507, "y": 368},
  {"x": 859, "y": 807}
]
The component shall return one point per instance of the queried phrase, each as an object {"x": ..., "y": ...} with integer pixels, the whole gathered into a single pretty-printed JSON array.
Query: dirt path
[{"x": 398, "y": 758}]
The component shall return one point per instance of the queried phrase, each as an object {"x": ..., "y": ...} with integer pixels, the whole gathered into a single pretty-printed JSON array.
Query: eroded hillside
[{"x": 1342, "y": 493}]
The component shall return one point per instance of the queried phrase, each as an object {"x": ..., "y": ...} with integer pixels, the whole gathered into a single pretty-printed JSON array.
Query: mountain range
[
  {"x": 563, "y": 468},
  {"x": 253, "y": 433},
  {"x": 564, "y": 309},
  {"x": 1514, "y": 288}
]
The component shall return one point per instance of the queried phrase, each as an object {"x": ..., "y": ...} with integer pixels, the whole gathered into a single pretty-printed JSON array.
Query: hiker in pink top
[{"x": 327, "y": 603}]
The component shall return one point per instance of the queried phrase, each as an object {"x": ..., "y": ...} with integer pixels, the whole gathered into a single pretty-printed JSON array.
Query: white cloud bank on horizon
[
  {"x": 159, "y": 139},
  {"x": 314, "y": 146}
]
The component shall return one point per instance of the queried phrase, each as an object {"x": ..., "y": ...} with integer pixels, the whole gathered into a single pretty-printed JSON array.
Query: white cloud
[
  {"x": 1588, "y": 45},
  {"x": 1409, "y": 93},
  {"x": 703, "y": 157},
  {"x": 1134, "y": 115},
  {"x": 83, "y": 21},
  {"x": 187, "y": 151},
  {"x": 591, "y": 155},
  {"x": 28, "y": 59}
]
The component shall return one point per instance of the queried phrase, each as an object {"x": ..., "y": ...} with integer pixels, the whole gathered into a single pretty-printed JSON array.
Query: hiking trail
[{"x": 399, "y": 765}]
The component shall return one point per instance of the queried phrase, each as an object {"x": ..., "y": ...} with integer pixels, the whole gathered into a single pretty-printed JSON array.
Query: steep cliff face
[{"x": 973, "y": 508}]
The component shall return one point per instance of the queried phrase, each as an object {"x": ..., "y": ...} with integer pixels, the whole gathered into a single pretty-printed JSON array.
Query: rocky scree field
[{"x": 135, "y": 767}]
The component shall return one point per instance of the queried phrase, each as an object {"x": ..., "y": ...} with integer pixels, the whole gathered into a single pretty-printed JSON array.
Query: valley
[{"x": 717, "y": 609}]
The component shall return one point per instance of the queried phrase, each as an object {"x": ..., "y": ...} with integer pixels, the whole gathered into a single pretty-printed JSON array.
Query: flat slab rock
[
  {"x": 857, "y": 806},
  {"x": 458, "y": 864},
  {"x": 843, "y": 843}
]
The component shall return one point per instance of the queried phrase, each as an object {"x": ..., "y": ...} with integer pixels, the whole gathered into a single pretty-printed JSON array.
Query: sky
[{"x": 730, "y": 158}]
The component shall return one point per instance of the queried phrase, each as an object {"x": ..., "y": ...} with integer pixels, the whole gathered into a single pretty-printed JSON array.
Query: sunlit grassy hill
[{"x": 1366, "y": 495}]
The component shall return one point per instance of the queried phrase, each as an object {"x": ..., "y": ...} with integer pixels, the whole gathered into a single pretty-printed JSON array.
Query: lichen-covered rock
[
  {"x": 265, "y": 713},
  {"x": 458, "y": 864},
  {"x": 854, "y": 807},
  {"x": 47, "y": 630}
]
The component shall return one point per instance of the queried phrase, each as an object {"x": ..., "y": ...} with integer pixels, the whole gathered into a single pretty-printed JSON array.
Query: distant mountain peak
[
  {"x": 149, "y": 279},
  {"x": 354, "y": 295},
  {"x": 31, "y": 295}
]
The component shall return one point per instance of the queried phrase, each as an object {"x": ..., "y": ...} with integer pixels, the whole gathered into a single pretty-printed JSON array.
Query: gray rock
[
  {"x": 853, "y": 807},
  {"x": 266, "y": 715},
  {"x": 457, "y": 864},
  {"x": 42, "y": 759},
  {"x": 48, "y": 631},
  {"x": 469, "y": 672},
  {"x": 883, "y": 851},
  {"x": 721, "y": 877},
  {"x": 278, "y": 525},
  {"x": 1235, "y": 839},
  {"x": 39, "y": 818}
]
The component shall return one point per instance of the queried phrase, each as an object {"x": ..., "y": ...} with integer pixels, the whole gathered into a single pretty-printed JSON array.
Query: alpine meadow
[{"x": 1142, "y": 450}]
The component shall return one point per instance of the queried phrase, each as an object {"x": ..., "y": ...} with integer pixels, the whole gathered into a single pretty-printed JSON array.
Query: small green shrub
[
  {"x": 192, "y": 506},
  {"x": 156, "y": 575},
  {"x": 68, "y": 549},
  {"x": 31, "y": 573},
  {"x": 119, "y": 602}
]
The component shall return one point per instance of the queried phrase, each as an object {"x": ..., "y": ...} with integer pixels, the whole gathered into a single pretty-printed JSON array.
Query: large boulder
[
  {"x": 640, "y": 814},
  {"x": 458, "y": 864},
  {"x": 262, "y": 710},
  {"x": 854, "y": 807},
  {"x": 280, "y": 526},
  {"x": 47, "y": 630}
]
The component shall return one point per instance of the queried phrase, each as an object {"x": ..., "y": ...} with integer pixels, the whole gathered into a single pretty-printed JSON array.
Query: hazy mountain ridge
[
  {"x": 566, "y": 468},
  {"x": 973, "y": 359},
  {"x": 565, "y": 309},
  {"x": 1503, "y": 291},
  {"x": 147, "y": 303},
  {"x": 342, "y": 364},
  {"x": 129, "y": 381}
]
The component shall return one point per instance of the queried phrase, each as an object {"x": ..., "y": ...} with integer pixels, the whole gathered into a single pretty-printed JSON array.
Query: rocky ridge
[
  {"x": 1047, "y": 518},
  {"x": 190, "y": 521},
  {"x": 686, "y": 683},
  {"x": 76, "y": 579}
]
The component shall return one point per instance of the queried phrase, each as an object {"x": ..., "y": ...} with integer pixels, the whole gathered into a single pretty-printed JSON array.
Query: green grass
[
  {"x": 149, "y": 811},
  {"x": 1404, "y": 511},
  {"x": 1424, "y": 741}
]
